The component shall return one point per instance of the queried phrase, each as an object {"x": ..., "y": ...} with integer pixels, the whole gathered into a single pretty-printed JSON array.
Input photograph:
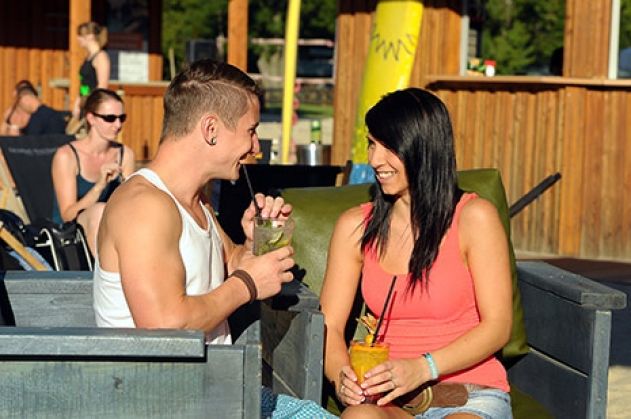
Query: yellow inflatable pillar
[
  {"x": 289, "y": 75},
  {"x": 395, "y": 32}
]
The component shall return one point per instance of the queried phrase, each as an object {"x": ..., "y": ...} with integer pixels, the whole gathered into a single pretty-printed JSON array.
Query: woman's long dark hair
[{"x": 415, "y": 125}]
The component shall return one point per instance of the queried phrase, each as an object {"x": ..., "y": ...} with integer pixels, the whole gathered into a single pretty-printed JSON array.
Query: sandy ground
[
  {"x": 620, "y": 358},
  {"x": 619, "y": 392}
]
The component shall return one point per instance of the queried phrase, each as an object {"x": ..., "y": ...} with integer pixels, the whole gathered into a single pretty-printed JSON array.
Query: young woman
[
  {"x": 451, "y": 306},
  {"x": 95, "y": 70},
  {"x": 86, "y": 171}
]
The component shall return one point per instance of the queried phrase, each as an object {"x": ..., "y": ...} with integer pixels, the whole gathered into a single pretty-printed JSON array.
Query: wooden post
[
  {"x": 238, "y": 33},
  {"x": 80, "y": 11},
  {"x": 587, "y": 32}
]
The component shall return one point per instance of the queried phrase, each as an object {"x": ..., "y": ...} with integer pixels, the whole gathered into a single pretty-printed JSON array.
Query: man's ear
[{"x": 209, "y": 126}]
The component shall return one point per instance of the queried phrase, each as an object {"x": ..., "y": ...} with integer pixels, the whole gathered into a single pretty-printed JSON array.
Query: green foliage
[
  {"x": 267, "y": 18},
  {"x": 183, "y": 20},
  {"x": 521, "y": 34},
  {"x": 625, "y": 24}
]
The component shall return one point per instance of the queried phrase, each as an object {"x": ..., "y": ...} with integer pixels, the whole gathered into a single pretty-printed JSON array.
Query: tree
[
  {"x": 625, "y": 24},
  {"x": 521, "y": 35}
]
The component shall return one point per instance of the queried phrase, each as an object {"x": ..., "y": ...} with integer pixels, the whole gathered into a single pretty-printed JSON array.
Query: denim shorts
[{"x": 486, "y": 403}]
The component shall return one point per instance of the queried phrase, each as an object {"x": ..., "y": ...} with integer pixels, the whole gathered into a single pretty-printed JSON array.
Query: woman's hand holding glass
[{"x": 395, "y": 378}]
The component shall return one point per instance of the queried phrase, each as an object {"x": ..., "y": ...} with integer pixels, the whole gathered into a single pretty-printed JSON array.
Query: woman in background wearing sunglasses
[{"x": 86, "y": 171}]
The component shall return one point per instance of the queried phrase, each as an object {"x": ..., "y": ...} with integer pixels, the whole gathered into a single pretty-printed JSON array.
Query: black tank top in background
[{"x": 87, "y": 76}]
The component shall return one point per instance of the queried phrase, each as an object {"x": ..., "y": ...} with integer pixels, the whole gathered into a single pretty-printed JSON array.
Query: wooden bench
[
  {"x": 568, "y": 324},
  {"x": 57, "y": 363}
]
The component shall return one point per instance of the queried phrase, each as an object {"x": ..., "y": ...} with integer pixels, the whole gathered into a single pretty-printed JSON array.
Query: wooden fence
[
  {"x": 531, "y": 128},
  {"x": 36, "y": 65}
]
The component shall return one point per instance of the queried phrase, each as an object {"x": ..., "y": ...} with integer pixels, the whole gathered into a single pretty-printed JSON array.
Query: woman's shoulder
[
  {"x": 65, "y": 157},
  {"x": 477, "y": 214},
  {"x": 66, "y": 151},
  {"x": 351, "y": 221},
  {"x": 357, "y": 213}
]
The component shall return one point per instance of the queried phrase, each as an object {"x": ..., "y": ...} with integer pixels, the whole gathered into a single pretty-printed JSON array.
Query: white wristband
[{"x": 433, "y": 369}]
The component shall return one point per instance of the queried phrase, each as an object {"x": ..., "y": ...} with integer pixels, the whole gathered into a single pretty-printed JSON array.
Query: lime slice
[{"x": 275, "y": 238}]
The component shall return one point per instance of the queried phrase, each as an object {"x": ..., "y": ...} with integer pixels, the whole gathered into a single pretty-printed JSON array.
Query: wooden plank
[
  {"x": 92, "y": 342},
  {"x": 571, "y": 202},
  {"x": 238, "y": 33},
  {"x": 592, "y": 168},
  {"x": 131, "y": 389},
  {"x": 80, "y": 12},
  {"x": 553, "y": 385},
  {"x": 293, "y": 344},
  {"x": 569, "y": 286}
]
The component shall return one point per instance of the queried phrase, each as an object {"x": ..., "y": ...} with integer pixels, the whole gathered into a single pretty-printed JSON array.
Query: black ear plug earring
[{"x": 212, "y": 141}]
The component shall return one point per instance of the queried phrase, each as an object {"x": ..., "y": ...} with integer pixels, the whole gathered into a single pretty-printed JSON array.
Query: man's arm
[{"x": 143, "y": 226}]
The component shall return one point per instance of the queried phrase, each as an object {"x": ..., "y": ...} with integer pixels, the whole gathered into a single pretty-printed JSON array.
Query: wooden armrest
[
  {"x": 570, "y": 286},
  {"x": 100, "y": 342},
  {"x": 293, "y": 341}
]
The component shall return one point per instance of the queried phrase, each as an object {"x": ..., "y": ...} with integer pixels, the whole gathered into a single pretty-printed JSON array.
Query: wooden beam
[
  {"x": 238, "y": 33},
  {"x": 587, "y": 32},
  {"x": 80, "y": 11}
]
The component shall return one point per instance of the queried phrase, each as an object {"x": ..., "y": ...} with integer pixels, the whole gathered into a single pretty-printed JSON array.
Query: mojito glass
[{"x": 271, "y": 234}]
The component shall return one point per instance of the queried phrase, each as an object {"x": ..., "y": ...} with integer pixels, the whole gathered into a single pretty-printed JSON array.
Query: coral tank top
[{"x": 435, "y": 314}]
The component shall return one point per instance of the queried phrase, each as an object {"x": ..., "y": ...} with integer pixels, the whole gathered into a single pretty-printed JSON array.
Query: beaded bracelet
[
  {"x": 248, "y": 281},
  {"x": 433, "y": 369}
]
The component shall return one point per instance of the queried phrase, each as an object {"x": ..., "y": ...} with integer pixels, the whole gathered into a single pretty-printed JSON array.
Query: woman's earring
[{"x": 212, "y": 141}]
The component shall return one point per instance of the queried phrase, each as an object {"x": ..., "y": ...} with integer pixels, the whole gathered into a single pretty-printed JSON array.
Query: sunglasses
[{"x": 111, "y": 118}]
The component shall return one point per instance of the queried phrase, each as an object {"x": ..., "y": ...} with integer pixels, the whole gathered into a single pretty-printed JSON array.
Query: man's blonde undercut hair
[{"x": 206, "y": 86}]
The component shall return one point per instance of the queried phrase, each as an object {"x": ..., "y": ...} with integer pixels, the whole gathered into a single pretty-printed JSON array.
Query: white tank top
[{"x": 202, "y": 255}]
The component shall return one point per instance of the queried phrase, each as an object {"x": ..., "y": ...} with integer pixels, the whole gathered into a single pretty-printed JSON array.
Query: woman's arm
[
  {"x": 341, "y": 280},
  {"x": 484, "y": 247},
  {"x": 101, "y": 64},
  {"x": 64, "y": 173}
]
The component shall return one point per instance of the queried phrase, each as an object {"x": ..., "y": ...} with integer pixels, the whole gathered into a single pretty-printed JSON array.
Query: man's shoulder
[
  {"x": 137, "y": 203},
  {"x": 138, "y": 191}
]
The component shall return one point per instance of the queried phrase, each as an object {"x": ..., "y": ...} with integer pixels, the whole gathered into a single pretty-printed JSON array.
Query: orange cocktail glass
[{"x": 365, "y": 357}]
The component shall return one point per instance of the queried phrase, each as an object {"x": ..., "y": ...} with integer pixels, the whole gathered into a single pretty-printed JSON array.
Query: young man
[{"x": 162, "y": 260}]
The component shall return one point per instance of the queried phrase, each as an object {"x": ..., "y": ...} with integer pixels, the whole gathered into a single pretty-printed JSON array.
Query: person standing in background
[{"x": 95, "y": 70}]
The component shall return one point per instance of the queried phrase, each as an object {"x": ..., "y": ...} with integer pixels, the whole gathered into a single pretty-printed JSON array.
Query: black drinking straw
[
  {"x": 247, "y": 179},
  {"x": 385, "y": 307}
]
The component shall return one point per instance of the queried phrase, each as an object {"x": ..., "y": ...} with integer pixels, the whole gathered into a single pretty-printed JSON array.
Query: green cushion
[
  {"x": 526, "y": 407},
  {"x": 316, "y": 210},
  {"x": 487, "y": 183}
]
